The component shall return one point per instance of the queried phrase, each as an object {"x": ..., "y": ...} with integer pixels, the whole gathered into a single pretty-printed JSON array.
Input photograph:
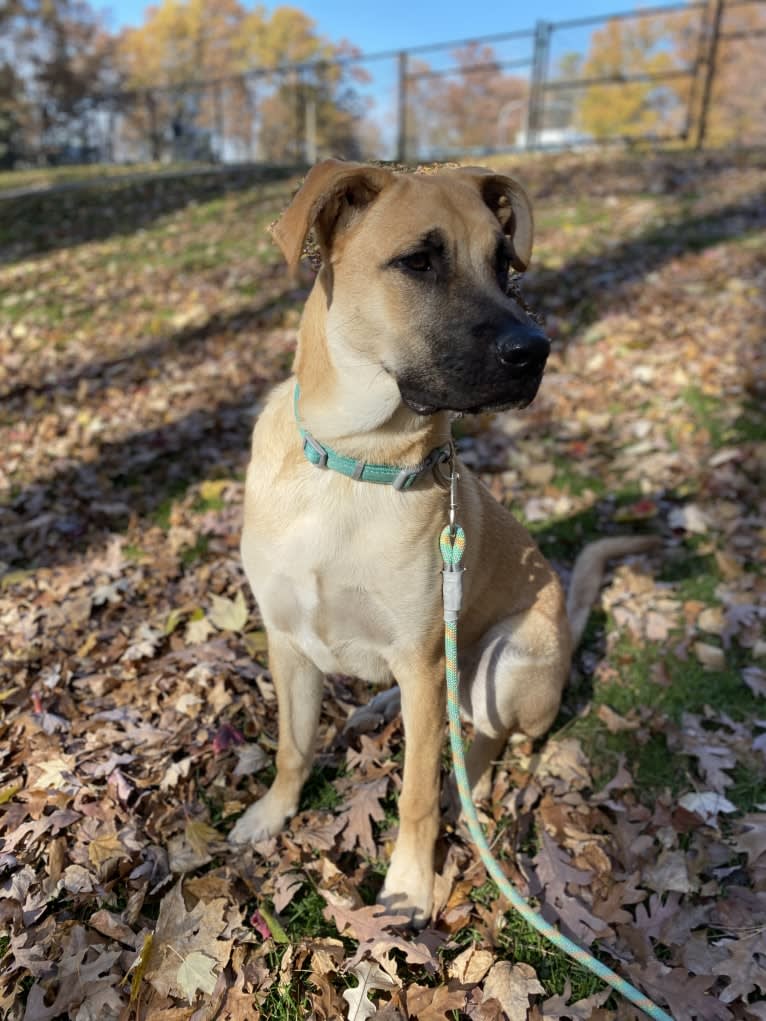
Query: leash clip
[
  {"x": 453, "y": 481},
  {"x": 409, "y": 476}
]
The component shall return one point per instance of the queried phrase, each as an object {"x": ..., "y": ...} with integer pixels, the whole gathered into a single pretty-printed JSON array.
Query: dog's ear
[
  {"x": 332, "y": 195},
  {"x": 510, "y": 204}
]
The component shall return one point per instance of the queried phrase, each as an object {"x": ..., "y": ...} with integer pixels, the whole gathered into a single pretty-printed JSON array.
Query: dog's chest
[{"x": 332, "y": 589}]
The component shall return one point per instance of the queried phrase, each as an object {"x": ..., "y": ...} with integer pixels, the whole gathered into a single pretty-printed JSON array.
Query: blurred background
[{"x": 222, "y": 83}]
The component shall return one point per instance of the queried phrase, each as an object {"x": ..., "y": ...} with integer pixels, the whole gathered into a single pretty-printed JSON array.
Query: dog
[{"x": 409, "y": 320}]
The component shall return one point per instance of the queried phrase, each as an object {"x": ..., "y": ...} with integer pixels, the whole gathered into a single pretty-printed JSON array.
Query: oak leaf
[
  {"x": 745, "y": 967},
  {"x": 370, "y": 976},
  {"x": 512, "y": 985},
  {"x": 369, "y": 924},
  {"x": 558, "y": 1007},
  {"x": 364, "y": 808}
]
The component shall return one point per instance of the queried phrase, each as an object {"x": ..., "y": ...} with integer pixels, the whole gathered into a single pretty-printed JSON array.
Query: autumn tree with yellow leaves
[
  {"x": 737, "y": 108},
  {"x": 200, "y": 69},
  {"x": 634, "y": 108},
  {"x": 679, "y": 42}
]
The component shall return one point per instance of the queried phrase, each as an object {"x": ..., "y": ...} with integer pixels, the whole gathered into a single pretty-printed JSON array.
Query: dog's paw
[
  {"x": 262, "y": 820},
  {"x": 408, "y": 892}
]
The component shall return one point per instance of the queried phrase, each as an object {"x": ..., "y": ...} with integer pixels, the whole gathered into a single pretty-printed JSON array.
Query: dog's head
[{"x": 415, "y": 270}]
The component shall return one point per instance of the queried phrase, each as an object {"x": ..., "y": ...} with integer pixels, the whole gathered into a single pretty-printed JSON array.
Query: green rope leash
[{"x": 452, "y": 545}]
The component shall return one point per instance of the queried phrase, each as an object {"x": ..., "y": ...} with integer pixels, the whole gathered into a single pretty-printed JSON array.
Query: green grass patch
[
  {"x": 304, "y": 916},
  {"x": 318, "y": 791},
  {"x": 191, "y": 554},
  {"x": 207, "y": 503},
  {"x": 162, "y": 513},
  {"x": 683, "y": 685},
  {"x": 288, "y": 1003},
  {"x": 520, "y": 943},
  {"x": 46, "y": 177},
  {"x": 569, "y": 479},
  {"x": 750, "y": 426},
  {"x": 707, "y": 413}
]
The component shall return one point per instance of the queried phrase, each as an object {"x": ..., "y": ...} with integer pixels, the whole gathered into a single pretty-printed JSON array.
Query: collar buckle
[{"x": 317, "y": 448}]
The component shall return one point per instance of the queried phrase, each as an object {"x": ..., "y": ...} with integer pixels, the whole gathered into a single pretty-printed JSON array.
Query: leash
[{"x": 452, "y": 545}]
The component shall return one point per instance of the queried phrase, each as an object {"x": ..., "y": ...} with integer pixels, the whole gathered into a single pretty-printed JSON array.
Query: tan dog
[{"x": 408, "y": 320}]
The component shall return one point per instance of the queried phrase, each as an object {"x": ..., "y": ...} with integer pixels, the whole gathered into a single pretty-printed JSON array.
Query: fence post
[
  {"x": 251, "y": 100},
  {"x": 537, "y": 81},
  {"x": 401, "y": 143},
  {"x": 699, "y": 61},
  {"x": 219, "y": 121},
  {"x": 311, "y": 130},
  {"x": 298, "y": 140},
  {"x": 709, "y": 73},
  {"x": 154, "y": 140}
]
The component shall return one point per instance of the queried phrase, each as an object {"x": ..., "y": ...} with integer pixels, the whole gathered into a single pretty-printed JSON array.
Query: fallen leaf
[
  {"x": 197, "y": 972},
  {"x": 369, "y": 976},
  {"x": 428, "y": 1004},
  {"x": 104, "y": 848},
  {"x": 710, "y": 656},
  {"x": 470, "y": 967},
  {"x": 707, "y": 805},
  {"x": 689, "y": 518},
  {"x": 228, "y": 614},
  {"x": 512, "y": 985}
]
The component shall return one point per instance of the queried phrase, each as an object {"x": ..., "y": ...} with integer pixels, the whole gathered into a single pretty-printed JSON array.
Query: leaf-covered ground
[{"x": 140, "y": 326}]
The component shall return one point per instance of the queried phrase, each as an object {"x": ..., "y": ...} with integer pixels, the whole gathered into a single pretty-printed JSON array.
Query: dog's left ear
[
  {"x": 332, "y": 196},
  {"x": 510, "y": 204}
]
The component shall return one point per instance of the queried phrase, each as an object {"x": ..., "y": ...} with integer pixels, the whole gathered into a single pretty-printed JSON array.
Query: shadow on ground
[{"x": 44, "y": 221}]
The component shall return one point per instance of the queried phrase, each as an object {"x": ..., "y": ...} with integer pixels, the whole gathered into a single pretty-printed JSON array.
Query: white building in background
[{"x": 554, "y": 138}]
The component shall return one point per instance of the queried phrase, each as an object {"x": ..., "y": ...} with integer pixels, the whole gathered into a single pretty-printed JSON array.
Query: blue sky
[{"x": 400, "y": 23}]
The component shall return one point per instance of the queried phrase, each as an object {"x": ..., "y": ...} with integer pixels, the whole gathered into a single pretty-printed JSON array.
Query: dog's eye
[{"x": 418, "y": 262}]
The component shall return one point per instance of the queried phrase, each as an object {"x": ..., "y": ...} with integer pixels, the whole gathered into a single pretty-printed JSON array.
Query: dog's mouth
[{"x": 422, "y": 402}]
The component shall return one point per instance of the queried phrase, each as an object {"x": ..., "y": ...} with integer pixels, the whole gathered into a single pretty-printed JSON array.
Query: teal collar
[{"x": 383, "y": 474}]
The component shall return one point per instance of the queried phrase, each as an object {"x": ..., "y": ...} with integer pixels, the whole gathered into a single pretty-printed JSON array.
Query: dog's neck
[{"x": 357, "y": 407}]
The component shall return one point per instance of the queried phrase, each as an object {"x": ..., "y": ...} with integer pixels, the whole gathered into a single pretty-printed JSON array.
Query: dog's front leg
[
  {"x": 408, "y": 888},
  {"x": 299, "y": 696}
]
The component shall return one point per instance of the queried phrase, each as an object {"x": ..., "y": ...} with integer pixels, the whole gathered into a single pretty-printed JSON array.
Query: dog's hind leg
[
  {"x": 299, "y": 696},
  {"x": 511, "y": 683}
]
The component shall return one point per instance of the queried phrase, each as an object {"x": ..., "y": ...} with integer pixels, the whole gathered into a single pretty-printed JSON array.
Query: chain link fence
[{"x": 688, "y": 73}]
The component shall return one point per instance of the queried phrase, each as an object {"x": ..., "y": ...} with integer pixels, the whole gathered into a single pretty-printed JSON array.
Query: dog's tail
[{"x": 588, "y": 573}]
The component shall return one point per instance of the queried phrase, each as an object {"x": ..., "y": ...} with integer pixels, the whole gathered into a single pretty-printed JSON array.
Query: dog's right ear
[{"x": 333, "y": 194}]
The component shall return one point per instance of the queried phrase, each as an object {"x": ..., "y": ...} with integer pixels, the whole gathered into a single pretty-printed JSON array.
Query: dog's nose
[{"x": 524, "y": 348}]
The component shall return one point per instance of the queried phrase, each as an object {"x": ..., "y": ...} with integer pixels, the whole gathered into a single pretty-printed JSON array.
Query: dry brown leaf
[
  {"x": 427, "y": 1004},
  {"x": 179, "y": 932},
  {"x": 512, "y": 985},
  {"x": 470, "y": 967}
]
